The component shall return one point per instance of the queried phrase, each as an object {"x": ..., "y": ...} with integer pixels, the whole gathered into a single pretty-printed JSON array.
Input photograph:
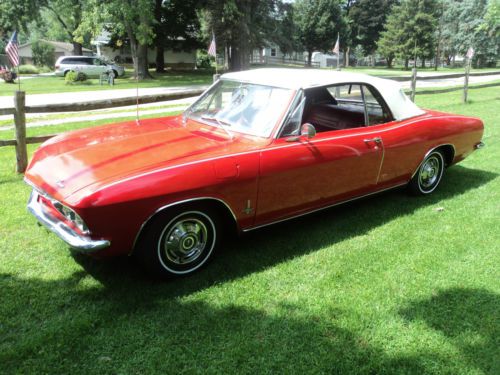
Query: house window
[{"x": 273, "y": 52}]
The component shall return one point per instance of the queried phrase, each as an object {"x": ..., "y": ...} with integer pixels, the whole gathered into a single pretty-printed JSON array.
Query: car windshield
[{"x": 241, "y": 107}]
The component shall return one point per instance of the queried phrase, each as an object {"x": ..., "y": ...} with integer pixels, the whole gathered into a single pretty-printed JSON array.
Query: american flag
[
  {"x": 212, "y": 48},
  {"x": 336, "y": 49},
  {"x": 12, "y": 50}
]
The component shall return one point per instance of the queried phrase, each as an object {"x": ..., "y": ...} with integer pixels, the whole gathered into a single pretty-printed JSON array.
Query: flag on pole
[
  {"x": 470, "y": 53},
  {"x": 212, "y": 50},
  {"x": 12, "y": 50},
  {"x": 336, "y": 49}
]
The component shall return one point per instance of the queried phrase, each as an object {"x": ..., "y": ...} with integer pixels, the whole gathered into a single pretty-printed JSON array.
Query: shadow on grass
[
  {"x": 111, "y": 318},
  {"x": 469, "y": 319},
  {"x": 62, "y": 326},
  {"x": 266, "y": 247}
]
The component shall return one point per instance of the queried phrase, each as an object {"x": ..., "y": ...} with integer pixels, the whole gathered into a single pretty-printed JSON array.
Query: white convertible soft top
[{"x": 399, "y": 104}]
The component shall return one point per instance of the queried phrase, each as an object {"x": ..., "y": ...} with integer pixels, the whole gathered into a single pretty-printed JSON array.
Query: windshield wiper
[{"x": 222, "y": 124}]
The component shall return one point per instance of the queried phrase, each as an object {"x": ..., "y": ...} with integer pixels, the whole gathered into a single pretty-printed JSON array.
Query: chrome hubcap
[
  {"x": 429, "y": 173},
  {"x": 185, "y": 240}
]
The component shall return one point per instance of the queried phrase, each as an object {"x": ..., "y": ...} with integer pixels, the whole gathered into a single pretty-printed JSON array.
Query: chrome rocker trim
[{"x": 73, "y": 239}]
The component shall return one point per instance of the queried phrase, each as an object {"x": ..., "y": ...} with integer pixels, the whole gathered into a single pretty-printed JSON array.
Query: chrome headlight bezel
[{"x": 70, "y": 215}]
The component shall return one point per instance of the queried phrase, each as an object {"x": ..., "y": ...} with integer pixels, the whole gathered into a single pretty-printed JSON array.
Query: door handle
[{"x": 377, "y": 140}]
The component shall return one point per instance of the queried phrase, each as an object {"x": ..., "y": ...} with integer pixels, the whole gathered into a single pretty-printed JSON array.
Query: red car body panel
[{"x": 117, "y": 176}]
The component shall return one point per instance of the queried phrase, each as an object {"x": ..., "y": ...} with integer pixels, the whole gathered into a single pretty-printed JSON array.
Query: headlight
[{"x": 72, "y": 216}]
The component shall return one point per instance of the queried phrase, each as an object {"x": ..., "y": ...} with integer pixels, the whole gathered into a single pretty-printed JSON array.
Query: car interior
[{"x": 342, "y": 107}]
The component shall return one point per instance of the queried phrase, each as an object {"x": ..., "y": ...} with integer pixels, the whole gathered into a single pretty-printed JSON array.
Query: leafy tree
[
  {"x": 368, "y": 20},
  {"x": 318, "y": 22},
  {"x": 491, "y": 21},
  {"x": 471, "y": 23},
  {"x": 68, "y": 14},
  {"x": 390, "y": 39},
  {"x": 239, "y": 26},
  {"x": 43, "y": 54},
  {"x": 16, "y": 15},
  {"x": 176, "y": 27},
  {"x": 131, "y": 18},
  {"x": 412, "y": 26},
  {"x": 285, "y": 33}
]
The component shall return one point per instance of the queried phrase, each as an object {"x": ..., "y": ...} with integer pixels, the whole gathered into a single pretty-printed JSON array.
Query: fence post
[
  {"x": 20, "y": 122},
  {"x": 466, "y": 80},
  {"x": 413, "y": 83}
]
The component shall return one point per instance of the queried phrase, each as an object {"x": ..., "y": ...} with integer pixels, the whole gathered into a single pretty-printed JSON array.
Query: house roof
[
  {"x": 296, "y": 79},
  {"x": 62, "y": 45}
]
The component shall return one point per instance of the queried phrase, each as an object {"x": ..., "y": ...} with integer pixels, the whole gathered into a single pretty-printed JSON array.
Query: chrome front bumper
[{"x": 67, "y": 234}]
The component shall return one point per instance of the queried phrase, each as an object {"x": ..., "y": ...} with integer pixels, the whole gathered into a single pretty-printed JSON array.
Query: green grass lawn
[
  {"x": 389, "y": 284},
  {"x": 53, "y": 84}
]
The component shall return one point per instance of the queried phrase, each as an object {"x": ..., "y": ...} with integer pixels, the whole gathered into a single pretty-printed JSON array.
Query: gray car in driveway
[{"x": 90, "y": 65}]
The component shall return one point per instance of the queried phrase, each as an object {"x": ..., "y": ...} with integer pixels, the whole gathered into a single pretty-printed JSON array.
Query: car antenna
[{"x": 137, "y": 93}]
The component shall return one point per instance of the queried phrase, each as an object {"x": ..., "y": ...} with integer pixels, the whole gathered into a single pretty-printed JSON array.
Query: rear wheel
[
  {"x": 429, "y": 174},
  {"x": 179, "y": 241}
]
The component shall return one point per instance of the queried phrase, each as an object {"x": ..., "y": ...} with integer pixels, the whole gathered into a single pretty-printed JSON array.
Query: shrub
[
  {"x": 43, "y": 53},
  {"x": 28, "y": 69},
  {"x": 45, "y": 69},
  {"x": 75, "y": 77}
]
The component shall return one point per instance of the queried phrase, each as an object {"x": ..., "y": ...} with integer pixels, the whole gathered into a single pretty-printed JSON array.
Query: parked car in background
[
  {"x": 258, "y": 147},
  {"x": 92, "y": 66}
]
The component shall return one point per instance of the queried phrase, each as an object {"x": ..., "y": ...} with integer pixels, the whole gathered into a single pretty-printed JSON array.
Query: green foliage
[
  {"x": 410, "y": 30},
  {"x": 43, "y": 53},
  {"x": 368, "y": 19},
  {"x": 203, "y": 60},
  {"x": 17, "y": 14},
  {"x": 471, "y": 23},
  {"x": 285, "y": 34},
  {"x": 28, "y": 69},
  {"x": 491, "y": 22},
  {"x": 317, "y": 23},
  {"x": 74, "y": 77},
  {"x": 241, "y": 25}
]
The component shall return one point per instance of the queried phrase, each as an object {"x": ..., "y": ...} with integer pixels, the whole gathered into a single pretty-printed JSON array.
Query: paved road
[
  {"x": 86, "y": 96},
  {"x": 451, "y": 81}
]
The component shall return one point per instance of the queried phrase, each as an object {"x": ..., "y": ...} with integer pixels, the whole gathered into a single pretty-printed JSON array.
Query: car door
[{"x": 308, "y": 173}]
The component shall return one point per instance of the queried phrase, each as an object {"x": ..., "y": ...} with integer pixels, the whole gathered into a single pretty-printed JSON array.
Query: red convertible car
[{"x": 258, "y": 147}]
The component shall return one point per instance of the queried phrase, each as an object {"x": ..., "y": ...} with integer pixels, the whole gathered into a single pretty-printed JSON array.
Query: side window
[
  {"x": 348, "y": 97},
  {"x": 335, "y": 107},
  {"x": 376, "y": 110},
  {"x": 273, "y": 52}
]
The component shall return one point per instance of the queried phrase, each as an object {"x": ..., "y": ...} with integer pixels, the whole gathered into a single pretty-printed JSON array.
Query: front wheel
[
  {"x": 178, "y": 242},
  {"x": 428, "y": 175}
]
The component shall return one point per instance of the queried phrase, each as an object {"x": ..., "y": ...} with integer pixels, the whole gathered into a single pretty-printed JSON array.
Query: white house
[
  {"x": 60, "y": 49},
  {"x": 173, "y": 59}
]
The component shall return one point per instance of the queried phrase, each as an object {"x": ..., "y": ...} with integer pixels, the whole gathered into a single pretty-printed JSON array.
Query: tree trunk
[
  {"x": 309, "y": 57},
  {"x": 406, "y": 63},
  {"x": 423, "y": 62},
  {"x": 139, "y": 57},
  {"x": 389, "y": 62},
  {"x": 77, "y": 49},
  {"x": 346, "y": 58},
  {"x": 160, "y": 58},
  {"x": 142, "y": 62}
]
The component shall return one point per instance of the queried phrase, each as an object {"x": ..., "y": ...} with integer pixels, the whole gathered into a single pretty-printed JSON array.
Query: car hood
[{"x": 72, "y": 161}]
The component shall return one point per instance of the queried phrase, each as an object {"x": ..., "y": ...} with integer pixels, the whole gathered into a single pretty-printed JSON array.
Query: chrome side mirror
[{"x": 307, "y": 130}]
